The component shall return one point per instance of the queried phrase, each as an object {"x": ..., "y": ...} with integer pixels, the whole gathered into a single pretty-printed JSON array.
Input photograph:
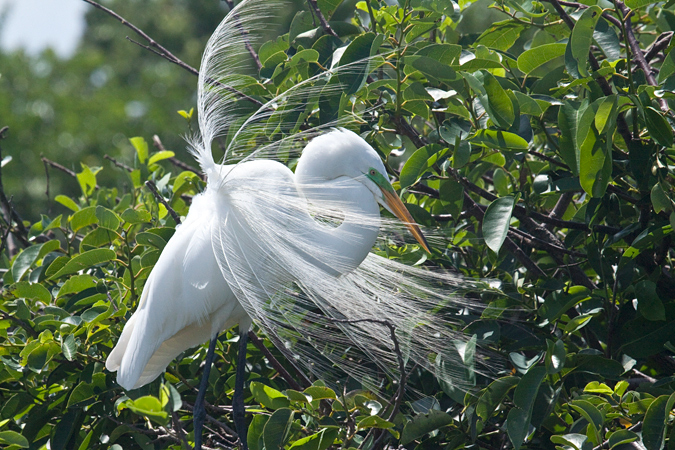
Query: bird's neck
[{"x": 341, "y": 249}]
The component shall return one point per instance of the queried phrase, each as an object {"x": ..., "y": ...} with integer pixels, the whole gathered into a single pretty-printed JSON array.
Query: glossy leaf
[
  {"x": 84, "y": 261},
  {"x": 531, "y": 59},
  {"x": 576, "y": 53},
  {"x": 496, "y": 222}
]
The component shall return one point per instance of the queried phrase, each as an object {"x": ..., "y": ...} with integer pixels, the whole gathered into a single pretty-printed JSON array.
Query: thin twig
[
  {"x": 214, "y": 421},
  {"x": 175, "y": 161},
  {"x": 118, "y": 164},
  {"x": 30, "y": 330},
  {"x": 637, "y": 52},
  {"x": 21, "y": 233},
  {"x": 153, "y": 188},
  {"x": 159, "y": 50},
  {"x": 661, "y": 43},
  {"x": 179, "y": 431},
  {"x": 322, "y": 20},
  {"x": 60, "y": 167}
]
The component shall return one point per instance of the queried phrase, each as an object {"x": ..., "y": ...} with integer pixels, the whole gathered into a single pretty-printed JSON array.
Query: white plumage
[{"x": 288, "y": 251}]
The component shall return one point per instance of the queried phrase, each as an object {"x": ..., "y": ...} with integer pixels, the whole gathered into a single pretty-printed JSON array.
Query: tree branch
[
  {"x": 20, "y": 232},
  {"x": 637, "y": 51},
  {"x": 175, "y": 161},
  {"x": 159, "y": 50},
  {"x": 153, "y": 188},
  {"x": 322, "y": 20}
]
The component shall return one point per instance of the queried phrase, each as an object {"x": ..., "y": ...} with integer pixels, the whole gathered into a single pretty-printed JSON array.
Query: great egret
[{"x": 288, "y": 251}]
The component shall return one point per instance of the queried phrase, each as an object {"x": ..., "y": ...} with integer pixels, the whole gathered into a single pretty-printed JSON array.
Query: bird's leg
[
  {"x": 199, "y": 412},
  {"x": 238, "y": 409}
]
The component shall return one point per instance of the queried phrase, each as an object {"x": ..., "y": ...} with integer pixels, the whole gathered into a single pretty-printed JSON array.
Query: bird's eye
[{"x": 372, "y": 172}]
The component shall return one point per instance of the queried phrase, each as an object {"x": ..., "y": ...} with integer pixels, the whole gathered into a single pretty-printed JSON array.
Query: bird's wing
[{"x": 185, "y": 302}]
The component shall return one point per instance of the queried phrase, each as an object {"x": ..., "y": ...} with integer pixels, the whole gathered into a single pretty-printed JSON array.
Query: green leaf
[
  {"x": 277, "y": 429},
  {"x": 555, "y": 356},
  {"x": 538, "y": 56},
  {"x": 432, "y": 68},
  {"x": 85, "y": 261},
  {"x": 518, "y": 418},
  {"x": 32, "y": 291},
  {"x": 659, "y": 128},
  {"x": 269, "y": 48},
  {"x": 501, "y": 35},
  {"x": 24, "y": 261},
  {"x": 255, "y": 432},
  {"x": 419, "y": 163},
  {"x": 579, "y": 44},
  {"x": 592, "y": 415},
  {"x": 595, "y": 387},
  {"x": 528, "y": 105},
  {"x": 452, "y": 196},
  {"x": 445, "y": 54},
  {"x": 107, "y": 218},
  {"x": 267, "y": 396},
  {"x": 667, "y": 67},
  {"x": 574, "y": 120},
  {"x": 14, "y": 438},
  {"x": 135, "y": 216},
  {"x": 320, "y": 393},
  {"x": 593, "y": 159},
  {"x": 501, "y": 181},
  {"x": 374, "y": 422},
  {"x": 656, "y": 421},
  {"x": 496, "y": 222},
  {"x": 492, "y": 396},
  {"x": 97, "y": 238},
  {"x": 498, "y": 104},
  {"x": 68, "y": 347},
  {"x": 87, "y": 179},
  {"x": 607, "y": 40},
  {"x": 622, "y": 437},
  {"x": 634, "y": 4},
  {"x": 328, "y": 7},
  {"x": 161, "y": 155},
  {"x": 150, "y": 239},
  {"x": 83, "y": 218},
  {"x": 319, "y": 441},
  {"x": 499, "y": 139},
  {"x": 423, "y": 424},
  {"x": 660, "y": 199},
  {"x": 358, "y": 51},
  {"x": 141, "y": 148},
  {"x": 67, "y": 202},
  {"x": 649, "y": 303},
  {"x": 149, "y": 407},
  {"x": 416, "y": 91}
]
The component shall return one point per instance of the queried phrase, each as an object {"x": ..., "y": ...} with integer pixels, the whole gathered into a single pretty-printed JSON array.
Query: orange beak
[{"x": 396, "y": 207}]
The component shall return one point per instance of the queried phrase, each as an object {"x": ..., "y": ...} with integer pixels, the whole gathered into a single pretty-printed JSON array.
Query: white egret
[{"x": 255, "y": 246}]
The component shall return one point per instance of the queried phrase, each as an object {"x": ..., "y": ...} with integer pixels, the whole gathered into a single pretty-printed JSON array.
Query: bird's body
[{"x": 187, "y": 299}]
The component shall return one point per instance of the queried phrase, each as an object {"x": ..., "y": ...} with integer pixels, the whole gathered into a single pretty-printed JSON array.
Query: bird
[{"x": 291, "y": 251}]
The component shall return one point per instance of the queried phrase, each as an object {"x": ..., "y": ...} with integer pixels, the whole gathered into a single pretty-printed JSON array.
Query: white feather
[{"x": 290, "y": 252}]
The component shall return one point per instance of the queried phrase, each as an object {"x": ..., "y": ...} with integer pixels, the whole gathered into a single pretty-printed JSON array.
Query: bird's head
[{"x": 341, "y": 153}]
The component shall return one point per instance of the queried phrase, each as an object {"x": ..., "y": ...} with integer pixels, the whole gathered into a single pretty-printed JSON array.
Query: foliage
[{"x": 539, "y": 147}]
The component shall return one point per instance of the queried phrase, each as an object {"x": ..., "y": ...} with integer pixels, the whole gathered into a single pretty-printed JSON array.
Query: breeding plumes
[{"x": 291, "y": 251}]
